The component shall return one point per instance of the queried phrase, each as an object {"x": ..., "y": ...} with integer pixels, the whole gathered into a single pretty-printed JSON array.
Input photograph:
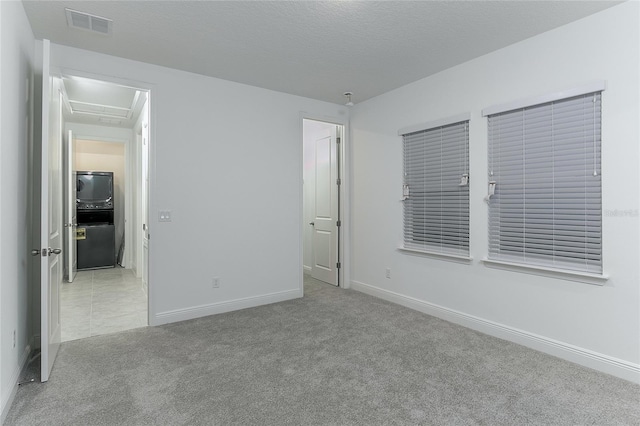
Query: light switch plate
[{"x": 164, "y": 216}]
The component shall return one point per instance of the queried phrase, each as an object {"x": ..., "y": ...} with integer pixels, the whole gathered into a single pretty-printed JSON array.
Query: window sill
[
  {"x": 582, "y": 277},
  {"x": 440, "y": 256}
]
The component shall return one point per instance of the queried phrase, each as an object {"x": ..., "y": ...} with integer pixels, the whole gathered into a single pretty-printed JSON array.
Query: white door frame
[
  {"x": 149, "y": 88},
  {"x": 344, "y": 246},
  {"x": 69, "y": 210},
  {"x": 136, "y": 174}
]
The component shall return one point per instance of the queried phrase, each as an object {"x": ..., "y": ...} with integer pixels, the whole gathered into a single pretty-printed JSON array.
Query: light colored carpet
[{"x": 334, "y": 357}]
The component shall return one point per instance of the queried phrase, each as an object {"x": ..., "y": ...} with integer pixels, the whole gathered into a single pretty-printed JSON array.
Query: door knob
[
  {"x": 35, "y": 252},
  {"x": 54, "y": 251},
  {"x": 312, "y": 223}
]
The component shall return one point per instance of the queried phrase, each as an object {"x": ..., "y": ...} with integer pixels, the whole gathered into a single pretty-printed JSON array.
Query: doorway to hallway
[
  {"x": 102, "y": 301},
  {"x": 107, "y": 127},
  {"x": 321, "y": 200}
]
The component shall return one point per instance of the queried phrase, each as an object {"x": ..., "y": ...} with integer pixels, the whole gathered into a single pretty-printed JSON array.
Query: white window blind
[
  {"x": 436, "y": 204},
  {"x": 545, "y": 161}
]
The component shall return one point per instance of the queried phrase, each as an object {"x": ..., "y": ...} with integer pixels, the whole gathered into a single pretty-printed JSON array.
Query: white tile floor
[{"x": 102, "y": 301}]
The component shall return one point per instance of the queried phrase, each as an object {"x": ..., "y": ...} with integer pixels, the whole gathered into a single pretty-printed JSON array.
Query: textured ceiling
[{"x": 307, "y": 48}]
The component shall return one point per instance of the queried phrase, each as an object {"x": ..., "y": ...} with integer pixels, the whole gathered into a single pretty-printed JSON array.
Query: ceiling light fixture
[{"x": 348, "y": 95}]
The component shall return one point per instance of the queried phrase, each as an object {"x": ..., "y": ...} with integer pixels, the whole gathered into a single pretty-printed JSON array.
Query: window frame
[
  {"x": 543, "y": 267},
  {"x": 460, "y": 253}
]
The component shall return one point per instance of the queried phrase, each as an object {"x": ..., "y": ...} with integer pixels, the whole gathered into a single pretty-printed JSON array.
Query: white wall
[
  {"x": 226, "y": 159},
  {"x": 99, "y": 133},
  {"x": 16, "y": 76},
  {"x": 595, "y": 325}
]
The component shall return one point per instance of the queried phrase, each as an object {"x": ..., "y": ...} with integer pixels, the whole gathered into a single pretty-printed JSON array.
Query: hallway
[{"x": 102, "y": 301}]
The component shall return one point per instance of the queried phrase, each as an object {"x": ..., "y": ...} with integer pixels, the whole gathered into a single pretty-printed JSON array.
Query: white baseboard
[
  {"x": 222, "y": 307},
  {"x": 607, "y": 364},
  {"x": 15, "y": 377}
]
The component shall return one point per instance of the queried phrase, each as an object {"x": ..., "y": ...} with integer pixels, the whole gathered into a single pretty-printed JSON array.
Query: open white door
[
  {"x": 145, "y": 195},
  {"x": 326, "y": 210},
  {"x": 71, "y": 219},
  {"x": 51, "y": 216}
]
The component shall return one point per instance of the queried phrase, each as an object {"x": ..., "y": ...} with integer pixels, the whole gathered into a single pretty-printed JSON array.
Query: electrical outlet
[
  {"x": 14, "y": 338},
  {"x": 388, "y": 273},
  {"x": 215, "y": 282},
  {"x": 164, "y": 216}
]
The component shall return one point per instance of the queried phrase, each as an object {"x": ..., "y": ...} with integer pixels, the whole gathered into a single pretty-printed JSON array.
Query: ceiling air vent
[{"x": 85, "y": 21}]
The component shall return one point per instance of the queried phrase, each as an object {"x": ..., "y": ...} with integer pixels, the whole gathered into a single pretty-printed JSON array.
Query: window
[
  {"x": 544, "y": 164},
  {"x": 436, "y": 188}
]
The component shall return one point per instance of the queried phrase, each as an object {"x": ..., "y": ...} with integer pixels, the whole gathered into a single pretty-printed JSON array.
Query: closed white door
[
  {"x": 51, "y": 265},
  {"x": 325, "y": 225},
  {"x": 71, "y": 219}
]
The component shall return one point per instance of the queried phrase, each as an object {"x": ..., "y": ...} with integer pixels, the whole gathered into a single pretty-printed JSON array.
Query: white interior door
[
  {"x": 325, "y": 228},
  {"x": 71, "y": 218},
  {"x": 145, "y": 197},
  {"x": 51, "y": 216},
  {"x": 137, "y": 197}
]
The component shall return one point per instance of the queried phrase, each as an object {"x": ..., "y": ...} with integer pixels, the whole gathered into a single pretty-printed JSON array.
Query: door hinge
[
  {"x": 338, "y": 140},
  {"x": 339, "y": 223},
  {"x": 338, "y": 181},
  {"x": 338, "y": 265}
]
